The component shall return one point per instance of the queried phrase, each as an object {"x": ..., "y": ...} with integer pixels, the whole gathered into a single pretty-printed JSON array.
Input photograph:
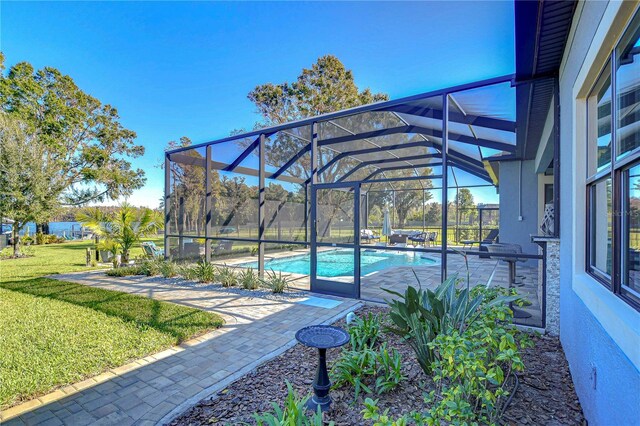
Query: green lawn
[{"x": 56, "y": 333}]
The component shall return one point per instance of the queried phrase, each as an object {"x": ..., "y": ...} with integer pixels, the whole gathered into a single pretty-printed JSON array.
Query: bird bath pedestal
[{"x": 321, "y": 337}]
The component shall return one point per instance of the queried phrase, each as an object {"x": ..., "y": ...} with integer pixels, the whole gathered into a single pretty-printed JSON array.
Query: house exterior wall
[
  {"x": 600, "y": 333},
  {"x": 519, "y": 197}
]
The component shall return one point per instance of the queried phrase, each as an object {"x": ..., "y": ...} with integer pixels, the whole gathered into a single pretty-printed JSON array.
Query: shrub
[
  {"x": 371, "y": 412},
  {"x": 125, "y": 271},
  {"x": 472, "y": 368},
  {"x": 364, "y": 332},
  {"x": 168, "y": 269},
  {"x": 249, "y": 279},
  {"x": 293, "y": 413},
  {"x": 204, "y": 272},
  {"x": 276, "y": 282},
  {"x": 421, "y": 315},
  {"x": 149, "y": 267},
  {"x": 53, "y": 239},
  {"x": 188, "y": 272},
  {"x": 226, "y": 276},
  {"x": 40, "y": 238}
]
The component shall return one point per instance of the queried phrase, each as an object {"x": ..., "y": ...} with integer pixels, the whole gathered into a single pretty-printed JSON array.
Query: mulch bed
[{"x": 545, "y": 395}]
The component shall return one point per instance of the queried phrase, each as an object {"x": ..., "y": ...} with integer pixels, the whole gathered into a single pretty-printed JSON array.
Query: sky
[{"x": 185, "y": 68}]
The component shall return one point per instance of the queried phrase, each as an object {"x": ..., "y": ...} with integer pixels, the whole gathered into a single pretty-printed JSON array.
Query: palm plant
[{"x": 126, "y": 227}]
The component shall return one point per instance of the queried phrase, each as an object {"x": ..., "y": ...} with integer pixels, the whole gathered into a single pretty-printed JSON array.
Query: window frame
[{"x": 618, "y": 171}]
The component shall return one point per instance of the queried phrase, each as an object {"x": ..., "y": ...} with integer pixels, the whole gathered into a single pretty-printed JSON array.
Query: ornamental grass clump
[
  {"x": 226, "y": 276},
  {"x": 204, "y": 272},
  {"x": 188, "y": 272},
  {"x": 125, "y": 271},
  {"x": 249, "y": 279},
  {"x": 278, "y": 283},
  {"x": 150, "y": 267},
  {"x": 168, "y": 269}
]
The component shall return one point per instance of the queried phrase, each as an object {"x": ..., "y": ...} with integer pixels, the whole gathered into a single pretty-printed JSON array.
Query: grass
[{"x": 56, "y": 333}]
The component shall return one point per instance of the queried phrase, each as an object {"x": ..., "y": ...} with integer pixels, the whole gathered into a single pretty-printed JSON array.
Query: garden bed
[{"x": 545, "y": 395}]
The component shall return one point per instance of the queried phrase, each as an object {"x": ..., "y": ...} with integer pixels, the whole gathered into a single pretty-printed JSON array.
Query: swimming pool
[{"x": 339, "y": 263}]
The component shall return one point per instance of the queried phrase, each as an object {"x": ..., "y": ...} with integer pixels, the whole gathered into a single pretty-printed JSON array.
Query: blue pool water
[{"x": 337, "y": 263}]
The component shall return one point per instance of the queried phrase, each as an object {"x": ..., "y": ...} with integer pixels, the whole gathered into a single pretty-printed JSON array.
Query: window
[
  {"x": 599, "y": 110},
  {"x": 600, "y": 228},
  {"x": 613, "y": 170},
  {"x": 631, "y": 232}
]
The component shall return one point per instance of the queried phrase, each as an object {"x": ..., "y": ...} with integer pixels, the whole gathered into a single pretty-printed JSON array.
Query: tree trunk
[{"x": 16, "y": 239}]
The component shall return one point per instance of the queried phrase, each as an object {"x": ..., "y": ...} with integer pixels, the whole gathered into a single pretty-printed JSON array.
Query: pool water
[{"x": 339, "y": 263}]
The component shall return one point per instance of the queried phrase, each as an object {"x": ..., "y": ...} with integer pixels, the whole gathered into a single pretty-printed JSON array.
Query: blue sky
[{"x": 175, "y": 69}]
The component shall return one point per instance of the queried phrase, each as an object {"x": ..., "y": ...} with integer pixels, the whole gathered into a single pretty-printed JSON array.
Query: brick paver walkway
[{"x": 256, "y": 329}]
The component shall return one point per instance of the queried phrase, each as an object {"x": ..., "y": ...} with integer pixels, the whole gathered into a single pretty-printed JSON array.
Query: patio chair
[
  {"x": 151, "y": 251},
  {"x": 494, "y": 253},
  {"x": 492, "y": 237},
  {"x": 432, "y": 238},
  {"x": 367, "y": 235},
  {"x": 418, "y": 238}
]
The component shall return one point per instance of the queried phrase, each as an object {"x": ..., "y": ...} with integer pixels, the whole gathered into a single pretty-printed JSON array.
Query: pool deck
[{"x": 482, "y": 271}]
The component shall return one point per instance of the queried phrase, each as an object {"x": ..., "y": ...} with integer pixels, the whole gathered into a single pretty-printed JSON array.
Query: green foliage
[
  {"x": 28, "y": 175},
  {"x": 40, "y": 238},
  {"x": 325, "y": 87},
  {"x": 168, "y": 269},
  {"x": 108, "y": 245},
  {"x": 188, "y": 272},
  {"x": 354, "y": 368},
  {"x": 126, "y": 227},
  {"x": 372, "y": 413},
  {"x": 389, "y": 373},
  {"x": 421, "y": 314},
  {"x": 249, "y": 279},
  {"x": 204, "y": 271},
  {"x": 85, "y": 147},
  {"x": 368, "y": 369},
  {"x": 226, "y": 276},
  {"x": 293, "y": 413},
  {"x": 125, "y": 271},
  {"x": 276, "y": 282},
  {"x": 150, "y": 268},
  {"x": 472, "y": 368},
  {"x": 364, "y": 332}
]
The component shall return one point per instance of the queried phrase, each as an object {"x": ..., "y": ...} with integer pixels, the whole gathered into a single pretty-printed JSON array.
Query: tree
[
  {"x": 28, "y": 174},
  {"x": 126, "y": 227},
  {"x": 434, "y": 214},
  {"x": 325, "y": 87},
  {"x": 80, "y": 134},
  {"x": 465, "y": 205}
]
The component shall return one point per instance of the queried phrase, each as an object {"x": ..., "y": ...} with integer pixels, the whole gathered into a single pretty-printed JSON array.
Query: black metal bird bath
[{"x": 321, "y": 337}]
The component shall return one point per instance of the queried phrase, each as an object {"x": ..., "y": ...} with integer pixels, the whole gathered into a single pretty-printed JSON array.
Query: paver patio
[{"x": 162, "y": 386}]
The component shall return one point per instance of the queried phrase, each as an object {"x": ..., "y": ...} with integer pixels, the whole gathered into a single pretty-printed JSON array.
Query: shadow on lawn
[{"x": 178, "y": 321}]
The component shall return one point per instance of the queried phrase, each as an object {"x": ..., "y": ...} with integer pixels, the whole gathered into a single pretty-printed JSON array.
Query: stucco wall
[
  {"x": 513, "y": 230},
  {"x": 606, "y": 380}
]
